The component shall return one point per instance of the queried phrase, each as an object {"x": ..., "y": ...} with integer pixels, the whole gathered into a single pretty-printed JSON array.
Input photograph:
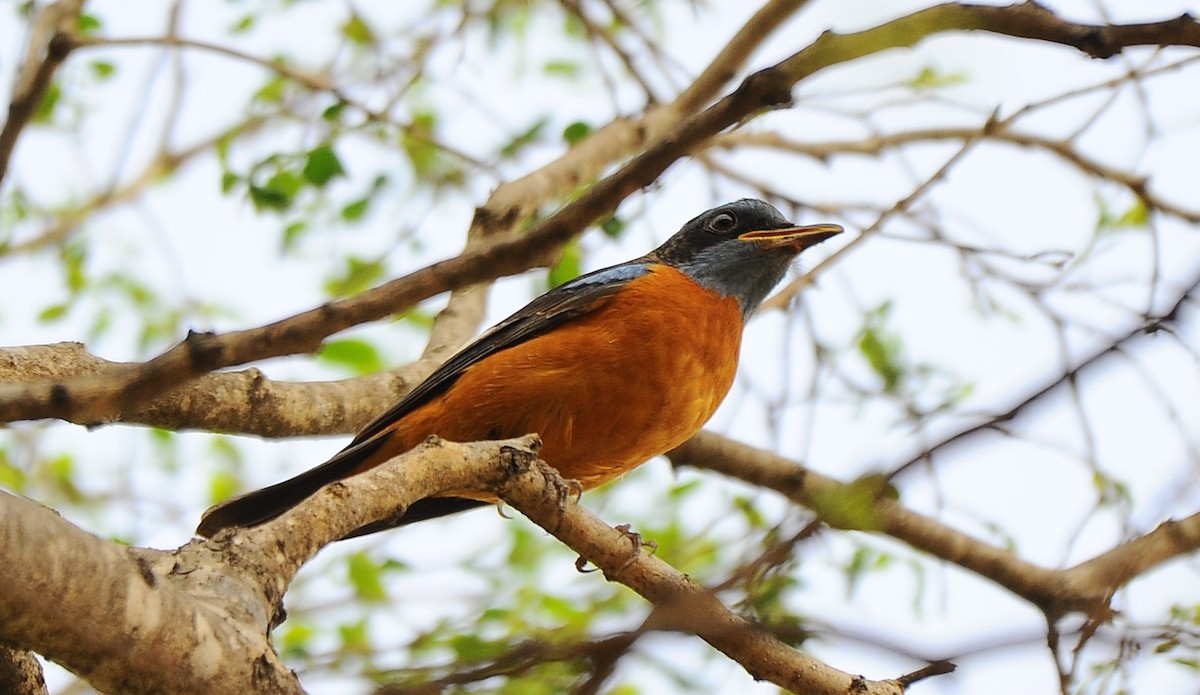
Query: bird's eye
[{"x": 722, "y": 223}]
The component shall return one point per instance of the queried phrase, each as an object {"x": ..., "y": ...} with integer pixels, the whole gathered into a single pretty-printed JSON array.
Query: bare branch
[
  {"x": 1086, "y": 588},
  {"x": 49, "y": 44}
]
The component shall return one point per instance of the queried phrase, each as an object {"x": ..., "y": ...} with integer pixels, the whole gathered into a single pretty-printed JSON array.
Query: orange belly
[{"x": 629, "y": 381}]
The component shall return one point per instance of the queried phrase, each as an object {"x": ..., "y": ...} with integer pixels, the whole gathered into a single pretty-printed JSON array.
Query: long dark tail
[{"x": 259, "y": 506}]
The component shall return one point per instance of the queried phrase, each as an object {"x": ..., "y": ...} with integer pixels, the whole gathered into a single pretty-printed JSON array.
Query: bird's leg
[
  {"x": 638, "y": 543},
  {"x": 565, "y": 490},
  {"x": 635, "y": 539}
]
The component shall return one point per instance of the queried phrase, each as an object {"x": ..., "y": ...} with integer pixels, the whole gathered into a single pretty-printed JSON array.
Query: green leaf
[
  {"x": 73, "y": 257},
  {"x": 229, "y": 180},
  {"x": 932, "y": 78},
  {"x": 294, "y": 638},
  {"x": 102, "y": 69},
  {"x": 472, "y": 648},
  {"x": 366, "y": 576},
  {"x": 292, "y": 233},
  {"x": 853, "y": 506},
  {"x": 612, "y": 227},
  {"x": 243, "y": 25},
  {"x": 334, "y": 112},
  {"x": 562, "y": 68},
  {"x": 359, "y": 355},
  {"x": 52, "y": 313},
  {"x": 1138, "y": 215},
  {"x": 358, "y": 276},
  {"x": 525, "y": 139},
  {"x": 322, "y": 165},
  {"x": 44, "y": 112},
  {"x": 354, "y": 211},
  {"x": 87, "y": 24},
  {"x": 222, "y": 485},
  {"x": 266, "y": 198},
  {"x": 278, "y": 192},
  {"x": 882, "y": 350},
  {"x": 750, "y": 511},
  {"x": 864, "y": 560},
  {"x": 881, "y": 355},
  {"x": 272, "y": 92},
  {"x": 11, "y": 477},
  {"x": 224, "y": 448},
  {"x": 355, "y": 638},
  {"x": 358, "y": 32},
  {"x": 62, "y": 472},
  {"x": 418, "y": 146},
  {"x": 576, "y": 133},
  {"x": 568, "y": 265}
]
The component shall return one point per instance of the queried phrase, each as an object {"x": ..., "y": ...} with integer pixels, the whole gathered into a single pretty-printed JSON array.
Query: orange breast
[{"x": 606, "y": 392}]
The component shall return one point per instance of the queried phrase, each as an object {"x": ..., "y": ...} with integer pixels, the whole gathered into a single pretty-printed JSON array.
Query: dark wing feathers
[
  {"x": 562, "y": 304},
  {"x": 556, "y": 307}
]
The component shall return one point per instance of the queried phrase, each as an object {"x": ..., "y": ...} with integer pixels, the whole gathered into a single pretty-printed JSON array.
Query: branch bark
[{"x": 196, "y": 619}]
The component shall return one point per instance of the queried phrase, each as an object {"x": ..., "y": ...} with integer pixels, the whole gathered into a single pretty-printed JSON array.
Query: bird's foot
[
  {"x": 638, "y": 543},
  {"x": 635, "y": 539},
  {"x": 564, "y": 490}
]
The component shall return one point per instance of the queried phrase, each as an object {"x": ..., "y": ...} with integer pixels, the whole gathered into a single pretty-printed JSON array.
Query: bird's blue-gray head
[{"x": 740, "y": 249}]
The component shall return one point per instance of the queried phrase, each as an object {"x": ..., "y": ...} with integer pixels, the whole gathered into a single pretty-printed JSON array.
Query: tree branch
[
  {"x": 196, "y": 619},
  {"x": 49, "y": 44},
  {"x": 20, "y": 672},
  {"x": 683, "y": 604},
  {"x": 1085, "y": 588},
  {"x": 114, "y": 615},
  {"x": 104, "y": 398}
]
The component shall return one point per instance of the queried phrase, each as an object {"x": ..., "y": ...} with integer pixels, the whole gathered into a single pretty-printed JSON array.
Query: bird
[{"x": 610, "y": 369}]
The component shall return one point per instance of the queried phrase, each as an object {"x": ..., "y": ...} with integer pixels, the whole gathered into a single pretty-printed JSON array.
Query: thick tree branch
[
  {"x": 196, "y": 619},
  {"x": 111, "y": 615},
  {"x": 20, "y": 672},
  {"x": 242, "y": 402}
]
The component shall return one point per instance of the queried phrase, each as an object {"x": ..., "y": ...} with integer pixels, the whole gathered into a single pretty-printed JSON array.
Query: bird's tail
[{"x": 260, "y": 506}]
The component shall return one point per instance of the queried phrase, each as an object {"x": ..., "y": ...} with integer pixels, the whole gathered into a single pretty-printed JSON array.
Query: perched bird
[{"x": 611, "y": 369}]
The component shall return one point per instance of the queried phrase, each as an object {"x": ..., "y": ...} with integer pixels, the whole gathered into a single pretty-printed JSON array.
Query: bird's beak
[{"x": 797, "y": 238}]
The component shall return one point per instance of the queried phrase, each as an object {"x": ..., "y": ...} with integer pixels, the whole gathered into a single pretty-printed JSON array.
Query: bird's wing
[
  {"x": 575, "y": 298},
  {"x": 570, "y": 300}
]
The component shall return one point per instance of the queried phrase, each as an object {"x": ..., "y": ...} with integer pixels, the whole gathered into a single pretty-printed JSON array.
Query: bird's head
[{"x": 740, "y": 249}]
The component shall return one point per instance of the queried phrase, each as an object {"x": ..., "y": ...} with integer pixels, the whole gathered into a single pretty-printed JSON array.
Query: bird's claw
[
  {"x": 635, "y": 539},
  {"x": 565, "y": 490}
]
